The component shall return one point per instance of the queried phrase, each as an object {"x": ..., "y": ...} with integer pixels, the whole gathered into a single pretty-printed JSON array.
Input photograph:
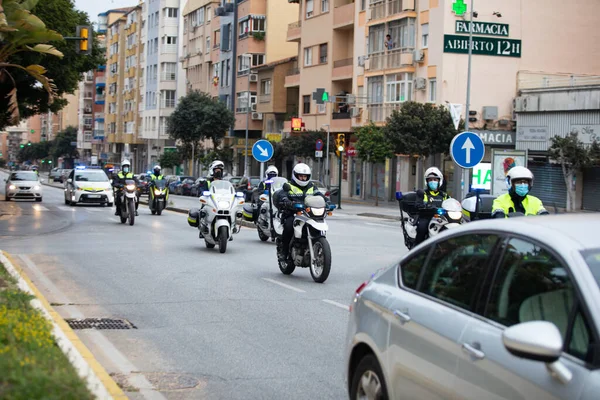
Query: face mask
[
  {"x": 433, "y": 185},
  {"x": 218, "y": 174},
  {"x": 522, "y": 189},
  {"x": 126, "y": 169}
]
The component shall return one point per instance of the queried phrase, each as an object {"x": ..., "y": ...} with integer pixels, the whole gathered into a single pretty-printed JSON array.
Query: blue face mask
[
  {"x": 433, "y": 185},
  {"x": 126, "y": 169},
  {"x": 522, "y": 189}
]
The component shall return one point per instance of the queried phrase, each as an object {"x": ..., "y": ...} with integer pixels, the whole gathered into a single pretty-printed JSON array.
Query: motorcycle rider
[
  {"x": 119, "y": 183},
  {"x": 270, "y": 173},
  {"x": 431, "y": 197},
  {"x": 292, "y": 192},
  {"x": 156, "y": 175},
  {"x": 215, "y": 171},
  {"x": 520, "y": 181}
]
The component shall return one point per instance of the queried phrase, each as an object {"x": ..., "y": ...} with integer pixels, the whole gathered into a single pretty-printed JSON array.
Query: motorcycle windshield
[
  {"x": 277, "y": 183},
  {"x": 160, "y": 184},
  {"x": 129, "y": 182},
  {"x": 222, "y": 188},
  {"x": 452, "y": 205},
  {"x": 314, "y": 202}
]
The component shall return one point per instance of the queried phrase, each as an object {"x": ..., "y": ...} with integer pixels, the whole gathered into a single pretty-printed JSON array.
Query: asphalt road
[{"x": 209, "y": 325}]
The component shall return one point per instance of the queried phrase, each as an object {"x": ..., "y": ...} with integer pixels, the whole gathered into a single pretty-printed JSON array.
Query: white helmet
[
  {"x": 519, "y": 173},
  {"x": 216, "y": 165},
  {"x": 434, "y": 172},
  {"x": 156, "y": 169},
  {"x": 125, "y": 162},
  {"x": 271, "y": 170},
  {"x": 301, "y": 169}
]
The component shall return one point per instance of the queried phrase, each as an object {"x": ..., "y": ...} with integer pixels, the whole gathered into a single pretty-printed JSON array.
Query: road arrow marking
[
  {"x": 468, "y": 146},
  {"x": 263, "y": 152}
]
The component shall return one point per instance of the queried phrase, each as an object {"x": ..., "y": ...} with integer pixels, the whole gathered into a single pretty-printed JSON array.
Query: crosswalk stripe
[
  {"x": 65, "y": 208},
  {"x": 37, "y": 207}
]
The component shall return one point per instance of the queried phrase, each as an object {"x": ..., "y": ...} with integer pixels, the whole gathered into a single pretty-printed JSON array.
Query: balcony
[
  {"x": 341, "y": 122},
  {"x": 379, "y": 9},
  {"x": 168, "y": 49},
  {"x": 167, "y": 76},
  {"x": 88, "y": 95},
  {"x": 100, "y": 81},
  {"x": 98, "y": 133},
  {"x": 100, "y": 99},
  {"x": 343, "y": 16},
  {"x": 396, "y": 58},
  {"x": 87, "y": 110},
  {"x": 342, "y": 69},
  {"x": 381, "y": 112},
  {"x": 168, "y": 103},
  {"x": 264, "y": 98},
  {"x": 292, "y": 77},
  {"x": 294, "y": 31}
]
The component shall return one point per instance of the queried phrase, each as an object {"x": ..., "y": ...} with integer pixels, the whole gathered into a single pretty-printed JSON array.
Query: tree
[
  {"x": 198, "y": 116},
  {"x": 373, "y": 146},
  {"x": 61, "y": 19},
  {"x": 421, "y": 129},
  {"x": 573, "y": 156},
  {"x": 34, "y": 151},
  {"x": 224, "y": 154},
  {"x": 302, "y": 145},
  {"x": 61, "y": 145},
  {"x": 170, "y": 159}
]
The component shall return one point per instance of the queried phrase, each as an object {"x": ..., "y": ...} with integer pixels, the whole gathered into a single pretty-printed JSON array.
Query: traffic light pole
[{"x": 340, "y": 181}]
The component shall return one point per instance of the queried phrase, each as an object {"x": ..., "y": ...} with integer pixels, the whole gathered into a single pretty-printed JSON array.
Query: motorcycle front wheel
[
  {"x": 131, "y": 209},
  {"x": 321, "y": 265},
  {"x": 261, "y": 234},
  {"x": 159, "y": 209},
  {"x": 222, "y": 235},
  {"x": 123, "y": 214}
]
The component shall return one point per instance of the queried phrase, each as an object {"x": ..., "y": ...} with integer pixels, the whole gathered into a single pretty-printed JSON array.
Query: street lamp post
[
  {"x": 249, "y": 57},
  {"x": 465, "y": 173},
  {"x": 327, "y": 157}
]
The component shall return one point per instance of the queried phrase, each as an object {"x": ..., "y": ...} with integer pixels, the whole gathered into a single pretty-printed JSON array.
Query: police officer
[
  {"x": 520, "y": 181},
  {"x": 215, "y": 171},
  {"x": 431, "y": 197},
  {"x": 270, "y": 173},
  {"x": 155, "y": 175},
  {"x": 119, "y": 182},
  {"x": 292, "y": 192}
]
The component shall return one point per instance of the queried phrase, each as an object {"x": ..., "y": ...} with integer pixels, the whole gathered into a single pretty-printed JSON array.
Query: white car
[
  {"x": 89, "y": 186},
  {"x": 23, "y": 185}
]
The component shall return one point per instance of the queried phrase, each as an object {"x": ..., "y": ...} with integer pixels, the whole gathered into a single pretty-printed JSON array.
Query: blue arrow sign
[
  {"x": 467, "y": 149},
  {"x": 262, "y": 151}
]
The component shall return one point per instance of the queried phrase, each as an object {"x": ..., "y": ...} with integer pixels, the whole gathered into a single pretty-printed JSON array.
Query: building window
[
  {"x": 305, "y": 105},
  {"x": 168, "y": 98},
  {"x": 403, "y": 33},
  {"x": 324, "y": 6},
  {"x": 376, "y": 35},
  {"x": 170, "y": 12},
  {"x": 208, "y": 13},
  {"x": 208, "y": 43},
  {"x": 265, "y": 86},
  {"x": 432, "y": 90},
  {"x": 399, "y": 87},
  {"x": 258, "y": 59},
  {"x": 200, "y": 13},
  {"x": 168, "y": 71},
  {"x": 308, "y": 56},
  {"x": 242, "y": 101},
  {"x": 363, "y": 5},
  {"x": 321, "y": 108},
  {"x": 244, "y": 28},
  {"x": 323, "y": 53},
  {"x": 309, "y": 8},
  {"x": 424, "y": 35},
  {"x": 258, "y": 24}
]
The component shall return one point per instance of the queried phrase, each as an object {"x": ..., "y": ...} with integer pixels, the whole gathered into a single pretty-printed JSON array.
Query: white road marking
[
  {"x": 284, "y": 285},
  {"x": 118, "y": 359},
  {"x": 94, "y": 210},
  {"x": 66, "y": 208},
  {"x": 37, "y": 207},
  {"x": 335, "y": 303},
  {"x": 376, "y": 224}
]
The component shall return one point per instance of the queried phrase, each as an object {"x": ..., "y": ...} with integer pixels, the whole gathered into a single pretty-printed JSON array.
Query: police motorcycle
[
  {"x": 309, "y": 247},
  {"x": 158, "y": 196},
  {"x": 216, "y": 221},
  {"x": 129, "y": 199},
  {"x": 268, "y": 222},
  {"x": 448, "y": 216}
]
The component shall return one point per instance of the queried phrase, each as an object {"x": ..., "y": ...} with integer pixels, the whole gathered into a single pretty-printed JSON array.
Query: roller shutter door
[
  {"x": 591, "y": 189},
  {"x": 549, "y": 184}
]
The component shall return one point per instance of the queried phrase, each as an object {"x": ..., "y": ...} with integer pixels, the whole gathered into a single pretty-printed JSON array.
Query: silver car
[
  {"x": 23, "y": 185},
  {"x": 495, "y": 309}
]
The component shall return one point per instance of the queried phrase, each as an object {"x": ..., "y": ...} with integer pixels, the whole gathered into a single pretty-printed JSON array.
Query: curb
[{"x": 98, "y": 381}]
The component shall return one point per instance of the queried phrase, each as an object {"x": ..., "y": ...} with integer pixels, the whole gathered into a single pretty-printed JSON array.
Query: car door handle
[
  {"x": 402, "y": 316},
  {"x": 473, "y": 352}
]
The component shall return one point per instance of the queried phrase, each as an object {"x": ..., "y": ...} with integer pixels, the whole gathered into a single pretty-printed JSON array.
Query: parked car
[
  {"x": 322, "y": 188},
  {"x": 199, "y": 186},
  {"x": 23, "y": 185},
  {"x": 245, "y": 185},
  {"x": 185, "y": 187},
  {"x": 176, "y": 181},
  {"x": 495, "y": 309},
  {"x": 64, "y": 174},
  {"x": 55, "y": 175},
  {"x": 144, "y": 182}
]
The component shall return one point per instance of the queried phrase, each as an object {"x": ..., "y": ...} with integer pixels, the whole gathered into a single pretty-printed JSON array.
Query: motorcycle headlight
[
  {"x": 157, "y": 192},
  {"x": 12, "y": 187},
  {"x": 224, "y": 204},
  {"x": 130, "y": 187},
  {"x": 454, "y": 215},
  {"x": 318, "y": 212}
]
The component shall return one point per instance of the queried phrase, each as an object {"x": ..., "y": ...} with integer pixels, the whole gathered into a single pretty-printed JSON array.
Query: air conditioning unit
[
  {"x": 367, "y": 63},
  {"x": 518, "y": 104},
  {"x": 219, "y": 11},
  {"x": 531, "y": 103},
  {"x": 253, "y": 107},
  {"x": 361, "y": 61},
  {"x": 355, "y": 111},
  {"x": 253, "y": 77},
  {"x": 257, "y": 116},
  {"x": 419, "y": 55},
  {"x": 420, "y": 83},
  {"x": 351, "y": 99},
  {"x": 368, "y": 14}
]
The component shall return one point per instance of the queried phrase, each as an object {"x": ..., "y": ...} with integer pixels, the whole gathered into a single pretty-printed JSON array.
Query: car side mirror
[
  {"x": 534, "y": 340},
  {"x": 69, "y": 180}
]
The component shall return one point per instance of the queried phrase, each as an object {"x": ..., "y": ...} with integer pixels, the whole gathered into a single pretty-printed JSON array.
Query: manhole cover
[{"x": 100, "y": 323}]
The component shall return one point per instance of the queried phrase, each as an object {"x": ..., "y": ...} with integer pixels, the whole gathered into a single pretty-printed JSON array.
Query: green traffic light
[
  {"x": 22, "y": 146},
  {"x": 49, "y": 161},
  {"x": 29, "y": 144}
]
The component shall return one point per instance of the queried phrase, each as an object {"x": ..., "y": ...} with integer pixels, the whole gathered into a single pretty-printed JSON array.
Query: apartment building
[
  {"x": 164, "y": 76},
  {"x": 52, "y": 123}
]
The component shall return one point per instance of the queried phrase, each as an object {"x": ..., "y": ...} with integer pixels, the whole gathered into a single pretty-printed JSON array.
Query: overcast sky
[{"x": 95, "y": 7}]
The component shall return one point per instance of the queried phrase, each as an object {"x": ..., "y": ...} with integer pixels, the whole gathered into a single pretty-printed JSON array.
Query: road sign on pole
[
  {"x": 319, "y": 154},
  {"x": 319, "y": 145},
  {"x": 467, "y": 149},
  {"x": 262, "y": 151}
]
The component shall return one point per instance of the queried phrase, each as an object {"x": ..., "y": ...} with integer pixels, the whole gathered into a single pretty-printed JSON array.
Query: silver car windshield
[
  {"x": 91, "y": 176},
  {"x": 592, "y": 258},
  {"x": 24, "y": 176}
]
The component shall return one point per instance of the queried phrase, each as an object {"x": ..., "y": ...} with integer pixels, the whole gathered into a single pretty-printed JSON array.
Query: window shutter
[{"x": 225, "y": 45}]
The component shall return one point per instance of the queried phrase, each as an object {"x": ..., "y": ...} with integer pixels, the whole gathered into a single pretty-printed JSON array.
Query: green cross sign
[
  {"x": 320, "y": 96},
  {"x": 459, "y": 7}
]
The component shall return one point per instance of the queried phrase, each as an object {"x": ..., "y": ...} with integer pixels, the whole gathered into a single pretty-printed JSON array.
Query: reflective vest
[
  {"x": 157, "y": 178},
  {"x": 128, "y": 176},
  {"x": 295, "y": 191},
  {"x": 531, "y": 204},
  {"x": 435, "y": 198}
]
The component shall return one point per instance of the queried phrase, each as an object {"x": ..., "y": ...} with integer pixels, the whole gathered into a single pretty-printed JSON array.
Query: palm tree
[{"x": 21, "y": 31}]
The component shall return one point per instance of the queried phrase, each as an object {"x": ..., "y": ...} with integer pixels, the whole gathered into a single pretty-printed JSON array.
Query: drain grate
[{"x": 100, "y": 323}]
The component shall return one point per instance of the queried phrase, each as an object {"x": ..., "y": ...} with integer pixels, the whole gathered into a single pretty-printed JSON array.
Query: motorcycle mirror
[
  {"x": 206, "y": 193},
  {"x": 332, "y": 207},
  {"x": 263, "y": 197},
  {"x": 239, "y": 194},
  {"x": 398, "y": 195}
]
